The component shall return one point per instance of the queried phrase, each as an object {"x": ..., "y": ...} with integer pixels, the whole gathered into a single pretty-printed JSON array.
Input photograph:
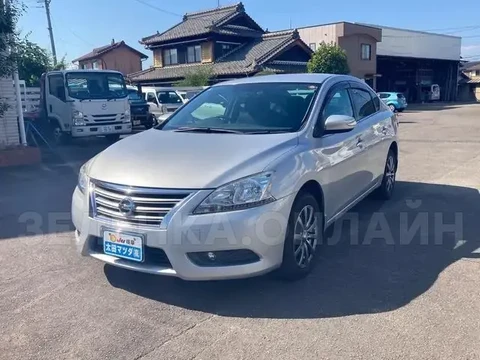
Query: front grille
[
  {"x": 133, "y": 205},
  {"x": 104, "y": 117}
]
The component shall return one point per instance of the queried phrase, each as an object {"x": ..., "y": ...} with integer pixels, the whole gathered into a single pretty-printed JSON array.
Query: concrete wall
[
  {"x": 8, "y": 122},
  {"x": 408, "y": 43}
]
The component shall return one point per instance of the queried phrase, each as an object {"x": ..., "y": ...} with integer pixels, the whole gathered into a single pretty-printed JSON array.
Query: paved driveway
[{"x": 402, "y": 284}]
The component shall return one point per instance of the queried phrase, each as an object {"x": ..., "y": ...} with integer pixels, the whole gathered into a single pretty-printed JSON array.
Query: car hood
[{"x": 167, "y": 159}]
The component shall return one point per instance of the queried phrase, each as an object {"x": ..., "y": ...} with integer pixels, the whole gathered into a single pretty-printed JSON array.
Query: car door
[
  {"x": 339, "y": 153},
  {"x": 369, "y": 126},
  {"x": 57, "y": 107}
]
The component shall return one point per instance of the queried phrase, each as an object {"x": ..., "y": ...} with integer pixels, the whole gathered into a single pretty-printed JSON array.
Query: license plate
[
  {"x": 107, "y": 128},
  {"x": 136, "y": 122},
  {"x": 125, "y": 246}
]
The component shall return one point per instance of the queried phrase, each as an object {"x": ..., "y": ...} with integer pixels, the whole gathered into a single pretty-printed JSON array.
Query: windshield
[
  {"x": 247, "y": 108},
  {"x": 96, "y": 85},
  {"x": 134, "y": 95},
  {"x": 168, "y": 97}
]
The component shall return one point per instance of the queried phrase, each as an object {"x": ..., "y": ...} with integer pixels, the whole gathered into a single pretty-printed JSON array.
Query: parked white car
[{"x": 246, "y": 190}]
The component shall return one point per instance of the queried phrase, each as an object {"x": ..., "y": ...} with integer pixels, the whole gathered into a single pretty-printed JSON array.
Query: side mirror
[{"x": 339, "y": 123}]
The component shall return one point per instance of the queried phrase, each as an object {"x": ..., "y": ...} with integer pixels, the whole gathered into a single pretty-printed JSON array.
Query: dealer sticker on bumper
[{"x": 125, "y": 246}]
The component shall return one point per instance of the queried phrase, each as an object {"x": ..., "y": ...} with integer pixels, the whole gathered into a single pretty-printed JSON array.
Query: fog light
[{"x": 223, "y": 257}]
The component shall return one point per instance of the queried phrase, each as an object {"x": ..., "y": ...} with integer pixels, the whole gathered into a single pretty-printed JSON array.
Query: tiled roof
[
  {"x": 204, "y": 22},
  {"x": 248, "y": 58},
  {"x": 473, "y": 65},
  {"x": 106, "y": 48}
]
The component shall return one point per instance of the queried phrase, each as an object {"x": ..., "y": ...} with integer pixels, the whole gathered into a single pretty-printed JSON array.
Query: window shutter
[
  {"x": 207, "y": 52},
  {"x": 157, "y": 58}
]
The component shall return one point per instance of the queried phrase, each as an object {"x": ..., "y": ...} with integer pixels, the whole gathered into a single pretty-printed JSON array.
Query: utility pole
[{"x": 50, "y": 30}]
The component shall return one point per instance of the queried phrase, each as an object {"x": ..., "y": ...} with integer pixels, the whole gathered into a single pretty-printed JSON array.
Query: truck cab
[
  {"x": 82, "y": 103},
  {"x": 163, "y": 101}
]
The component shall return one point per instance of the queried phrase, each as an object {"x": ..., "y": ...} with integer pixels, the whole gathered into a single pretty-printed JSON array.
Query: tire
[
  {"x": 385, "y": 191},
  {"x": 55, "y": 135},
  {"x": 150, "y": 122},
  {"x": 301, "y": 243},
  {"x": 392, "y": 107},
  {"x": 112, "y": 138}
]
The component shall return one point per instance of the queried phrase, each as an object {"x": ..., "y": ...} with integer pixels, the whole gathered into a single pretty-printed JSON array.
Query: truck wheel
[
  {"x": 151, "y": 122},
  {"x": 56, "y": 136},
  {"x": 112, "y": 138}
]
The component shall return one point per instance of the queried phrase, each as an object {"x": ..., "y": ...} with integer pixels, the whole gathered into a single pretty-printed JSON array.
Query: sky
[{"x": 79, "y": 26}]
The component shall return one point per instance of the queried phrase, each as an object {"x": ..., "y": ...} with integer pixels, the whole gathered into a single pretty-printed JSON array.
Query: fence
[{"x": 30, "y": 97}]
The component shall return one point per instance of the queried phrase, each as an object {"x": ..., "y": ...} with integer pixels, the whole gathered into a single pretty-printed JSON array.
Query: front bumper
[
  {"x": 261, "y": 230},
  {"x": 101, "y": 129}
]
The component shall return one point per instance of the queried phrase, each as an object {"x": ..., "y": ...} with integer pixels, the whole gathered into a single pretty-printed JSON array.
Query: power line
[{"x": 158, "y": 9}]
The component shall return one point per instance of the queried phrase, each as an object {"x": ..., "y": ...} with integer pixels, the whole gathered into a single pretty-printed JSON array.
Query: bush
[
  {"x": 329, "y": 59},
  {"x": 197, "y": 77}
]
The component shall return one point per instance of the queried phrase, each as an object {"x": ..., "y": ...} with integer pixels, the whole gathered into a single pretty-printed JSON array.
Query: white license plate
[
  {"x": 136, "y": 122},
  {"x": 107, "y": 129},
  {"x": 125, "y": 246}
]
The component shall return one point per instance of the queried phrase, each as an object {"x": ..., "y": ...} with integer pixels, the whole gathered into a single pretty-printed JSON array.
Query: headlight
[
  {"x": 82, "y": 180},
  {"x": 127, "y": 115},
  {"x": 241, "y": 194},
  {"x": 78, "y": 119}
]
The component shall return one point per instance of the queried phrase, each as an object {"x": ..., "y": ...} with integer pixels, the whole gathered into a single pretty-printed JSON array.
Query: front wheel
[
  {"x": 392, "y": 107},
  {"x": 385, "y": 191},
  {"x": 304, "y": 234}
]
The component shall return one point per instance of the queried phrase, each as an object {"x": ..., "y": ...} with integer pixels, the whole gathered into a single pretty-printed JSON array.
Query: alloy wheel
[
  {"x": 305, "y": 236},
  {"x": 390, "y": 172}
]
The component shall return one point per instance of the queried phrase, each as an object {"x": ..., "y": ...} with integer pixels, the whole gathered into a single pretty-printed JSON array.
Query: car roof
[{"x": 286, "y": 78}]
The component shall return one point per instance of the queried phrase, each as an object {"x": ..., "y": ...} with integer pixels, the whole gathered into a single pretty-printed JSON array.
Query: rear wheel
[{"x": 304, "y": 234}]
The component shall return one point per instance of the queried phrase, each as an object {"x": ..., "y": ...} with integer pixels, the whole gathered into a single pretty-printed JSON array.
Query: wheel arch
[{"x": 314, "y": 188}]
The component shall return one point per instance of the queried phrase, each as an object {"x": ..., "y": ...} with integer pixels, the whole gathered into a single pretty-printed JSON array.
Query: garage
[{"x": 422, "y": 65}]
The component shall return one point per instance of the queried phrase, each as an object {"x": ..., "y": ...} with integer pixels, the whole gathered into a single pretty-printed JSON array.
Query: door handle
[
  {"x": 50, "y": 107},
  {"x": 359, "y": 143}
]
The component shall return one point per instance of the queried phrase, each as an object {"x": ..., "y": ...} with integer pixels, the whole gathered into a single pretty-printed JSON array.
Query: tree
[
  {"x": 198, "y": 77},
  {"x": 330, "y": 59},
  {"x": 33, "y": 61},
  {"x": 8, "y": 40}
]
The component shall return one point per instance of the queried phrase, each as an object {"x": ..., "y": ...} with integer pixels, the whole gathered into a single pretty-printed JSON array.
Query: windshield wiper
[
  {"x": 207, "y": 130},
  {"x": 260, "y": 132}
]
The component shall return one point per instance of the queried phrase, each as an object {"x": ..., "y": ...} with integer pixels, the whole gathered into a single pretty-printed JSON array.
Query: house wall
[
  {"x": 207, "y": 53},
  {"x": 349, "y": 37},
  {"x": 120, "y": 59},
  {"x": 8, "y": 122},
  {"x": 352, "y": 45},
  {"x": 408, "y": 43},
  {"x": 318, "y": 34}
]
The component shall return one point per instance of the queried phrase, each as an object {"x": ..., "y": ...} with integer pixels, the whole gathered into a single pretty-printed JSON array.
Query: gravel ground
[{"x": 389, "y": 296}]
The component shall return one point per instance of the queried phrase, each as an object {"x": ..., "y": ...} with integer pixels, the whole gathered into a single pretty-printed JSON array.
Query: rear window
[
  {"x": 400, "y": 96},
  {"x": 384, "y": 96}
]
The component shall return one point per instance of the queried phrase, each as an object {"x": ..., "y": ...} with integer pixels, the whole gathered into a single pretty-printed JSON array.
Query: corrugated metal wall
[
  {"x": 408, "y": 43},
  {"x": 8, "y": 122}
]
